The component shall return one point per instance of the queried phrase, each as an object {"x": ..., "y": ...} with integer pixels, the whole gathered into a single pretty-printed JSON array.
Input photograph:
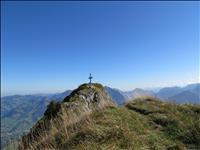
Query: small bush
[{"x": 52, "y": 109}]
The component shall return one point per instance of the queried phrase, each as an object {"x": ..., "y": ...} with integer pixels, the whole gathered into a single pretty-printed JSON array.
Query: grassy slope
[
  {"x": 142, "y": 124},
  {"x": 62, "y": 120},
  {"x": 145, "y": 123}
]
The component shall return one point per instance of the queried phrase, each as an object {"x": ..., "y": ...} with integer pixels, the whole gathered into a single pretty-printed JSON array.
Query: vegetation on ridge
[
  {"x": 64, "y": 117},
  {"x": 20, "y": 113},
  {"x": 144, "y": 123}
]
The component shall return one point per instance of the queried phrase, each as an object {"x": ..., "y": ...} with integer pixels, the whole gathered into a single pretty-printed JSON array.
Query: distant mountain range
[
  {"x": 20, "y": 112},
  {"x": 121, "y": 97},
  {"x": 187, "y": 94},
  {"x": 180, "y": 95}
]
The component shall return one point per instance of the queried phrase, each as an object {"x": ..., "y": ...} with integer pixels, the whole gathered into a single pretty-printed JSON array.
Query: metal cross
[{"x": 90, "y": 78}]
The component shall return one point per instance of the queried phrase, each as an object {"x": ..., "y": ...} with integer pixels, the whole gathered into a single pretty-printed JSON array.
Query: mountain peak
[
  {"x": 86, "y": 98},
  {"x": 91, "y": 96},
  {"x": 72, "y": 110}
]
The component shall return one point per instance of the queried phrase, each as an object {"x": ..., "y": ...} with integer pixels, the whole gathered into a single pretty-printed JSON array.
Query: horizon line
[{"x": 61, "y": 91}]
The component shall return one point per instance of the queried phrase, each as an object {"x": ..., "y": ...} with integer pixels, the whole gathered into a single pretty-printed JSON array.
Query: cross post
[{"x": 90, "y": 78}]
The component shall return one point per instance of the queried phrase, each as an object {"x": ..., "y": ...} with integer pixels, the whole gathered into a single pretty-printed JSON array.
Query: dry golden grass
[{"x": 142, "y": 124}]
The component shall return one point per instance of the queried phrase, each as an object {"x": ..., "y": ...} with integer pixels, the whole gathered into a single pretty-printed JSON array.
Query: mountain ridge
[
  {"x": 80, "y": 103},
  {"x": 88, "y": 119},
  {"x": 36, "y": 105}
]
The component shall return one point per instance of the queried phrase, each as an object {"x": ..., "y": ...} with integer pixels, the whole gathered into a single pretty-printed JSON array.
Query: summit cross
[{"x": 90, "y": 78}]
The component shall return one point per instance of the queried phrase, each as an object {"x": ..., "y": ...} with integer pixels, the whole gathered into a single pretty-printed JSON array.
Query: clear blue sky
[{"x": 53, "y": 46}]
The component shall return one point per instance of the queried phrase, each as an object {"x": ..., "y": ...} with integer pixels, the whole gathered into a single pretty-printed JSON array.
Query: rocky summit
[{"x": 88, "y": 97}]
